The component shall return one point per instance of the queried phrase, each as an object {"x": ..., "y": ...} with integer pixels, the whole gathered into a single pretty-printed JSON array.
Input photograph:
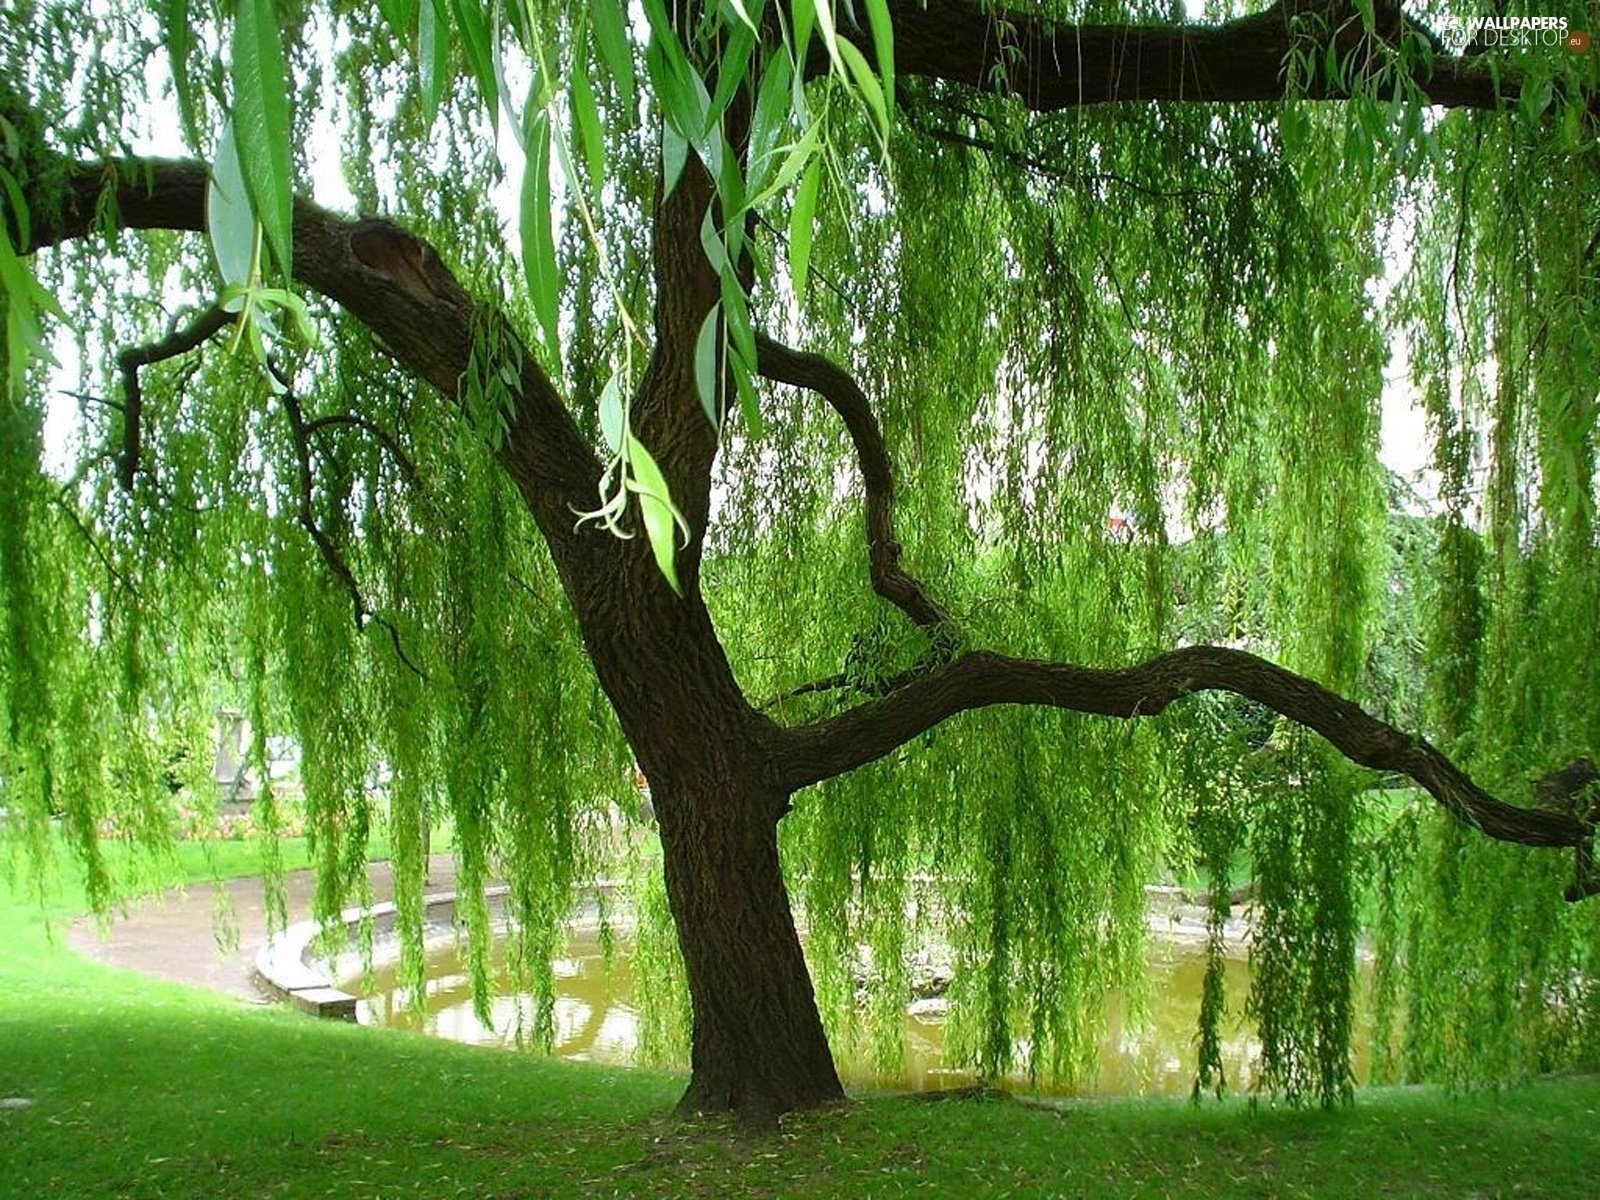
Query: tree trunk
[{"x": 758, "y": 1047}]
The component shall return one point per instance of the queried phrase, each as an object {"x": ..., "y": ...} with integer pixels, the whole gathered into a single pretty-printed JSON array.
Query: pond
[{"x": 595, "y": 1020}]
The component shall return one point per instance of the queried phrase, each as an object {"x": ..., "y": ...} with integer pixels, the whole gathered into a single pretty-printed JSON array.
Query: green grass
[{"x": 144, "y": 1089}]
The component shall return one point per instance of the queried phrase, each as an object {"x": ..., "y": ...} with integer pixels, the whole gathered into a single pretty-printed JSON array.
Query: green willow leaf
[
  {"x": 480, "y": 55},
  {"x": 883, "y": 46},
  {"x": 538, "y": 240},
  {"x": 823, "y": 10},
  {"x": 261, "y": 124},
  {"x": 706, "y": 346},
  {"x": 25, "y": 341},
  {"x": 179, "y": 39},
  {"x": 749, "y": 401},
  {"x": 711, "y": 241},
  {"x": 611, "y": 36},
  {"x": 800, "y": 153},
  {"x": 433, "y": 55},
  {"x": 744, "y": 14},
  {"x": 229, "y": 221},
  {"x": 867, "y": 84},
  {"x": 18, "y": 205},
  {"x": 732, "y": 68},
  {"x": 740, "y": 332},
  {"x": 662, "y": 521},
  {"x": 771, "y": 115},
  {"x": 398, "y": 14},
  {"x": 801, "y": 220},
  {"x": 674, "y": 157},
  {"x": 587, "y": 116}
]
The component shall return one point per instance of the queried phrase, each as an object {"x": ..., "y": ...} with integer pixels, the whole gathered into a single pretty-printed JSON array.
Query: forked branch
[
  {"x": 300, "y": 431},
  {"x": 873, "y": 729}
]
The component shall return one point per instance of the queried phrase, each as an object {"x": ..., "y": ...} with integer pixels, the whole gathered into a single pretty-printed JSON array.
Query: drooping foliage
[{"x": 1131, "y": 363}]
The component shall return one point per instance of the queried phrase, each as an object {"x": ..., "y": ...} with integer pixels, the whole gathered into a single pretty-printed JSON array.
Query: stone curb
[{"x": 288, "y": 968}]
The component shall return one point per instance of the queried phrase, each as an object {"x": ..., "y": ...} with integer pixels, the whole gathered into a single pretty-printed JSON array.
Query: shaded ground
[{"x": 183, "y": 934}]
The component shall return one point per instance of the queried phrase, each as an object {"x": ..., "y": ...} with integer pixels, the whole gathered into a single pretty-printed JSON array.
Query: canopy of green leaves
[{"x": 1130, "y": 362}]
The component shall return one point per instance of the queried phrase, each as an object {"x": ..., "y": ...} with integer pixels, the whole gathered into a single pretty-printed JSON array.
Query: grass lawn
[{"x": 144, "y": 1089}]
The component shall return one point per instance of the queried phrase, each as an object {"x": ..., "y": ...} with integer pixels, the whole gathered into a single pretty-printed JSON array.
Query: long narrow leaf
[
  {"x": 662, "y": 521},
  {"x": 611, "y": 36},
  {"x": 749, "y": 401},
  {"x": 587, "y": 115},
  {"x": 706, "y": 381},
  {"x": 867, "y": 84},
  {"x": 433, "y": 55},
  {"x": 229, "y": 221},
  {"x": 480, "y": 57},
  {"x": 261, "y": 124},
  {"x": 771, "y": 115},
  {"x": 538, "y": 241},
  {"x": 825, "y": 26},
  {"x": 801, "y": 219},
  {"x": 883, "y": 46},
  {"x": 179, "y": 38}
]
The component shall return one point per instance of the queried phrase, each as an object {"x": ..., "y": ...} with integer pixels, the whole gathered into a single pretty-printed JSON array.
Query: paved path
[{"x": 174, "y": 936}]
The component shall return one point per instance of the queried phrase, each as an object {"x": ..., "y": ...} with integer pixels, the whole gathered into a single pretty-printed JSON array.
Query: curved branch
[
  {"x": 835, "y": 385},
  {"x": 300, "y": 436},
  {"x": 1085, "y": 180},
  {"x": 202, "y": 329},
  {"x": 1049, "y": 65},
  {"x": 869, "y": 731}
]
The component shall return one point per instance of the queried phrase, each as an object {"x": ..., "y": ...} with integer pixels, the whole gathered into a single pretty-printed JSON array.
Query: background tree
[{"x": 1096, "y": 307}]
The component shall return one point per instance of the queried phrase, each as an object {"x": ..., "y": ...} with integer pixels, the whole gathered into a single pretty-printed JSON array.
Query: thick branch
[
  {"x": 835, "y": 385},
  {"x": 204, "y": 327},
  {"x": 873, "y": 729},
  {"x": 1050, "y": 65},
  {"x": 388, "y": 279}
]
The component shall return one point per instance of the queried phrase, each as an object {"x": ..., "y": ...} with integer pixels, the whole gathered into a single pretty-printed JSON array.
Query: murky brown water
[{"x": 595, "y": 1020}]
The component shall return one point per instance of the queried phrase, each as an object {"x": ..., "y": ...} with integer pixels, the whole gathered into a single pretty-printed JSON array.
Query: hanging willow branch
[
  {"x": 1041, "y": 165},
  {"x": 376, "y": 432},
  {"x": 300, "y": 431},
  {"x": 385, "y": 277},
  {"x": 871, "y": 730}
]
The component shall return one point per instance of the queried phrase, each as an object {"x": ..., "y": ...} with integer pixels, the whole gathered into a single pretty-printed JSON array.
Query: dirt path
[{"x": 174, "y": 935}]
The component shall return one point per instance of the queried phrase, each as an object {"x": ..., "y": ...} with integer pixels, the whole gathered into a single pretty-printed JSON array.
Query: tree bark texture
[{"x": 758, "y": 1045}]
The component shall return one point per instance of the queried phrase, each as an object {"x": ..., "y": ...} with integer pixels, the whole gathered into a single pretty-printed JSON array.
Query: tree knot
[{"x": 405, "y": 261}]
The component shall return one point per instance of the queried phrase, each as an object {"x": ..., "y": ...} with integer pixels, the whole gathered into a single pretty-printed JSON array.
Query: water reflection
[{"x": 595, "y": 1020}]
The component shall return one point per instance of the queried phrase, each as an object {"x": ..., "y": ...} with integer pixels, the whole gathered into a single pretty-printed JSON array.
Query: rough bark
[{"x": 758, "y": 1046}]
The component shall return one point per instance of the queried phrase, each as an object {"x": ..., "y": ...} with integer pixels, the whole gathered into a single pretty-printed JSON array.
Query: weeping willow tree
[{"x": 559, "y": 452}]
